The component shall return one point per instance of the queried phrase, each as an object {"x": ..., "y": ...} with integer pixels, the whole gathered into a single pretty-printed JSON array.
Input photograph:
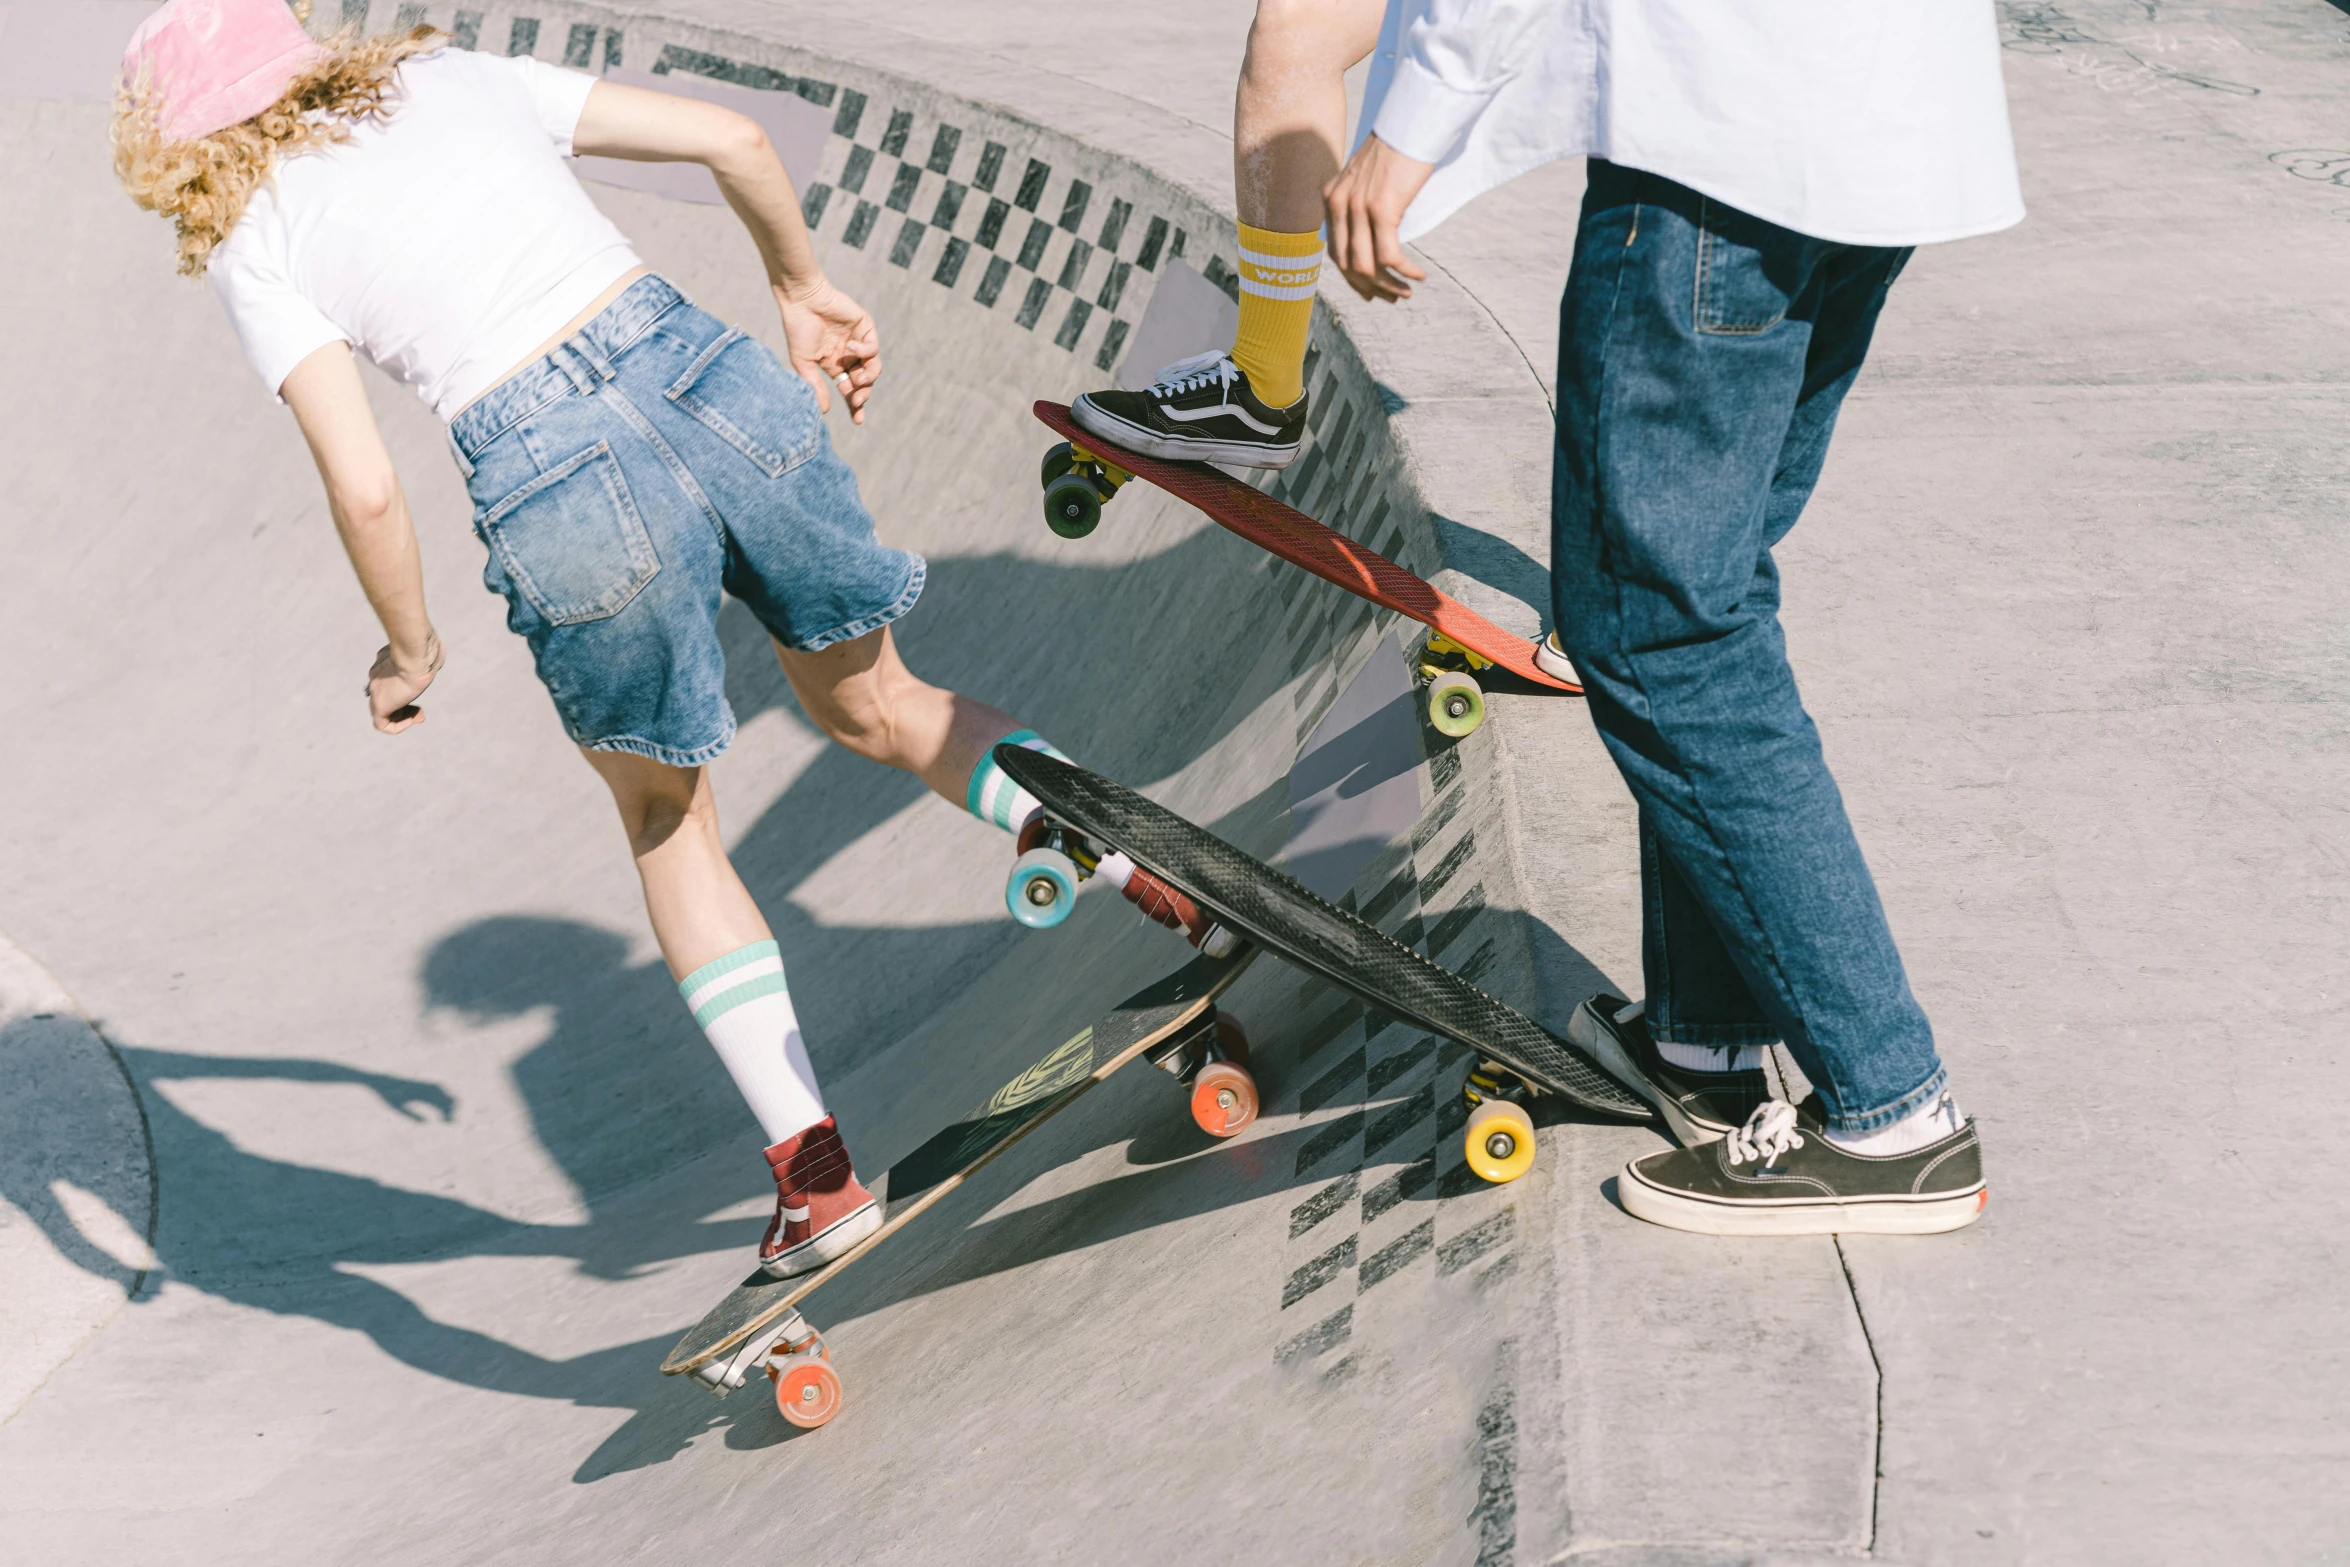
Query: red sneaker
[
  {"x": 821, "y": 1209},
  {"x": 1148, "y": 893}
]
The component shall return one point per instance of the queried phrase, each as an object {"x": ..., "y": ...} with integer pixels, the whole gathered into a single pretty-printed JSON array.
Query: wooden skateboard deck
[
  {"x": 1281, "y": 915},
  {"x": 1285, "y": 531},
  {"x": 1151, "y": 1016}
]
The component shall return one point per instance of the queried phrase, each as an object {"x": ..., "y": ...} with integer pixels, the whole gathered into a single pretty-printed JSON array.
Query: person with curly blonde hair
[{"x": 630, "y": 457}]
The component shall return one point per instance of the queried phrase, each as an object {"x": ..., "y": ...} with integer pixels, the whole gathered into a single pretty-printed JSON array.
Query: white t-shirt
[
  {"x": 1864, "y": 122},
  {"x": 446, "y": 243}
]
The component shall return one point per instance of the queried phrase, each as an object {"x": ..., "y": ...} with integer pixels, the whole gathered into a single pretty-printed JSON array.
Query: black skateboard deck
[
  {"x": 1184, "y": 1000},
  {"x": 1281, "y": 915}
]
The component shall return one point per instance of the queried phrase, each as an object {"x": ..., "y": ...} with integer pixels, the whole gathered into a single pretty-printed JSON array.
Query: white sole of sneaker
[
  {"x": 1598, "y": 1041},
  {"x": 1240, "y": 454},
  {"x": 1554, "y": 663},
  {"x": 818, "y": 1250},
  {"x": 1883, "y": 1216}
]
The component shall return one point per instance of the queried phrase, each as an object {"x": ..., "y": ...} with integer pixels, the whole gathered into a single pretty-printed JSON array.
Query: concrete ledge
[{"x": 77, "y": 1182}]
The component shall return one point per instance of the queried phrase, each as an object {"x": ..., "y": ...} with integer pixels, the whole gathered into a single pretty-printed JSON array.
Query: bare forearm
[
  {"x": 381, "y": 541},
  {"x": 752, "y": 179}
]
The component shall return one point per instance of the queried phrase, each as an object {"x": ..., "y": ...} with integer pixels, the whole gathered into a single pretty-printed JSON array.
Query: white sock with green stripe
[
  {"x": 993, "y": 797},
  {"x": 741, "y": 1003}
]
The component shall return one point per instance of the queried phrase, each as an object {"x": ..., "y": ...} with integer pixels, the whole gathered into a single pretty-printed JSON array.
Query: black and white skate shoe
[
  {"x": 1699, "y": 1107},
  {"x": 1780, "y": 1175},
  {"x": 1200, "y": 409}
]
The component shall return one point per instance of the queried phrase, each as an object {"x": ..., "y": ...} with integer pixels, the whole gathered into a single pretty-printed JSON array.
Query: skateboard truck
[
  {"x": 1076, "y": 482},
  {"x": 807, "y": 1389}
]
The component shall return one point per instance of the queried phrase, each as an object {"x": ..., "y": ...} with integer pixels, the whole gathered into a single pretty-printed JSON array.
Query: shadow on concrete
[{"x": 621, "y": 1091}]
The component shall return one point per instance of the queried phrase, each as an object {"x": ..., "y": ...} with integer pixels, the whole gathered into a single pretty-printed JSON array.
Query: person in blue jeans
[
  {"x": 1757, "y": 178},
  {"x": 630, "y": 457}
]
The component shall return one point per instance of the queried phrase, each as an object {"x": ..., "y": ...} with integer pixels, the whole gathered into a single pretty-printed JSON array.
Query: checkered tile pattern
[
  {"x": 1388, "y": 1191},
  {"x": 990, "y": 221}
]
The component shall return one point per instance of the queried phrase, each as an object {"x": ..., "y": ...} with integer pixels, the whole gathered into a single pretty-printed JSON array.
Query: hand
[
  {"x": 1365, "y": 205},
  {"x": 834, "y": 344},
  {"x": 409, "y": 1097},
  {"x": 392, "y": 689}
]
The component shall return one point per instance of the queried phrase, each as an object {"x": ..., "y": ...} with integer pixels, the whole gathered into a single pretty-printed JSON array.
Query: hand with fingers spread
[
  {"x": 1365, "y": 206},
  {"x": 834, "y": 344}
]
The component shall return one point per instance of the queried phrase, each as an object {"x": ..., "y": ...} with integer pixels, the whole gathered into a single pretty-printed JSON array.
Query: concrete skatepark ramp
[{"x": 360, "y": 1164}]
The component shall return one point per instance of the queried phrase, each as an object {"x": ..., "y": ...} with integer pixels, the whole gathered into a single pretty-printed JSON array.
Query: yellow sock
[{"x": 1277, "y": 273}]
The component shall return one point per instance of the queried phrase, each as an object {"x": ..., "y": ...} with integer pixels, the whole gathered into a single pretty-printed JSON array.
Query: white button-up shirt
[{"x": 1866, "y": 122}]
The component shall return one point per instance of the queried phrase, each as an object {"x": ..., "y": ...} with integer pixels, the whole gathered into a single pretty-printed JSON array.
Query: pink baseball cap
[{"x": 210, "y": 63}]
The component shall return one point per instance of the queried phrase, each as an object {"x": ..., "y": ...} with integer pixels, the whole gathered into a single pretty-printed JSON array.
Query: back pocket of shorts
[
  {"x": 740, "y": 393},
  {"x": 572, "y": 541}
]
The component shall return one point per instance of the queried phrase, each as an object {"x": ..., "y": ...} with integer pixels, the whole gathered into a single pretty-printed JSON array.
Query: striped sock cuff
[
  {"x": 993, "y": 796},
  {"x": 1279, "y": 266},
  {"x": 745, "y": 974}
]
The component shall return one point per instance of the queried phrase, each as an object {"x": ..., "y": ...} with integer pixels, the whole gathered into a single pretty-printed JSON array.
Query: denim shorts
[{"x": 654, "y": 459}]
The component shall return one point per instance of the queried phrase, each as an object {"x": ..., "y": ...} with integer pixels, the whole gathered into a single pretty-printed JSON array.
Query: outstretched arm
[
  {"x": 371, "y": 513},
  {"x": 833, "y": 342}
]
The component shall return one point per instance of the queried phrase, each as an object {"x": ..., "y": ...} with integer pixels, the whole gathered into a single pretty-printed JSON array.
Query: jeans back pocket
[
  {"x": 571, "y": 539},
  {"x": 738, "y": 391}
]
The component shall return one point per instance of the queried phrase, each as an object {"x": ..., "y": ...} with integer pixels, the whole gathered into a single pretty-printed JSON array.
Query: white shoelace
[
  {"x": 1768, "y": 1133},
  {"x": 1199, "y": 370}
]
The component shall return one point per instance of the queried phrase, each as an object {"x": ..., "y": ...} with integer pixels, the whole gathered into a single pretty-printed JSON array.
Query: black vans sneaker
[
  {"x": 1700, "y": 1107},
  {"x": 1779, "y": 1175},
  {"x": 1199, "y": 409}
]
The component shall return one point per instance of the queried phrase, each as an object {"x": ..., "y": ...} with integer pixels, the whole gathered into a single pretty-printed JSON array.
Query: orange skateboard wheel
[
  {"x": 807, "y": 1389},
  {"x": 1223, "y": 1098}
]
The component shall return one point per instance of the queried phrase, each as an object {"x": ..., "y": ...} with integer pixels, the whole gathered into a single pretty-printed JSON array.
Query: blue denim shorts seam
[
  {"x": 865, "y": 625},
  {"x": 645, "y": 326},
  {"x": 1853, "y": 1123},
  {"x": 678, "y": 471},
  {"x": 637, "y": 745}
]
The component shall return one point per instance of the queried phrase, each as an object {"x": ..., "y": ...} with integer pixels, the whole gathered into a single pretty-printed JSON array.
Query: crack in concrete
[{"x": 1877, "y": 1369}]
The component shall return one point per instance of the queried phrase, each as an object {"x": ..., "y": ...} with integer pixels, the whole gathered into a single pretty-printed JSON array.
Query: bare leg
[
  {"x": 699, "y": 907},
  {"x": 1289, "y": 115},
  {"x": 862, "y": 694}
]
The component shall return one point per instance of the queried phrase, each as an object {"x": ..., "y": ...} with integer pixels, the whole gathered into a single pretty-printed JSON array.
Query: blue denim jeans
[
  {"x": 1703, "y": 354},
  {"x": 654, "y": 461}
]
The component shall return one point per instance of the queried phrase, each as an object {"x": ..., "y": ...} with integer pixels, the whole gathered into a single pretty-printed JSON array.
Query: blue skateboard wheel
[{"x": 1042, "y": 888}]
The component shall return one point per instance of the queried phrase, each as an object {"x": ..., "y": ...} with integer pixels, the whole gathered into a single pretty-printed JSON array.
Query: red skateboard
[{"x": 1085, "y": 470}]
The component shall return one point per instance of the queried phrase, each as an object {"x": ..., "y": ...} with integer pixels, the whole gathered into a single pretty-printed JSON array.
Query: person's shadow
[{"x": 622, "y": 1091}]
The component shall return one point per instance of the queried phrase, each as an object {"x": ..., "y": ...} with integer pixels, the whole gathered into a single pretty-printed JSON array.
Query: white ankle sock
[
  {"x": 741, "y": 1003},
  {"x": 1711, "y": 1058},
  {"x": 1926, "y": 1124},
  {"x": 992, "y": 796}
]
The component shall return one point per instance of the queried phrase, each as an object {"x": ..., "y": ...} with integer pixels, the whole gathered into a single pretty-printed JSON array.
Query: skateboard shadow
[{"x": 1497, "y": 563}]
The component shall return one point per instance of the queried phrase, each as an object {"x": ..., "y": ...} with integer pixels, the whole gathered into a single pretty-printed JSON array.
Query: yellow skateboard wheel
[
  {"x": 1456, "y": 705},
  {"x": 1500, "y": 1141}
]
